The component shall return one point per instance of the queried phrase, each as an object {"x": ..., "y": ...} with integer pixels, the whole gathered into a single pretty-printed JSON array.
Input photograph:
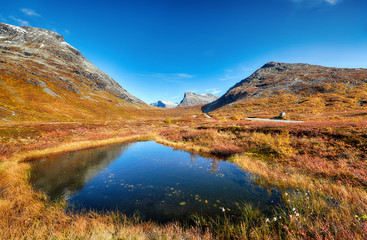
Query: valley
[{"x": 53, "y": 101}]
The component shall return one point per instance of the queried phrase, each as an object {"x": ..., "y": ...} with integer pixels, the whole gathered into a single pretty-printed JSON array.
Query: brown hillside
[
  {"x": 43, "y": 78},
  {"x": 297, "y": 88}
]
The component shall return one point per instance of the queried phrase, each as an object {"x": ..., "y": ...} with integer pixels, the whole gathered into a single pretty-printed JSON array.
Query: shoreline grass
[
  {"x": 77, "y": 146},
  {"x": 29, "y": 214}
]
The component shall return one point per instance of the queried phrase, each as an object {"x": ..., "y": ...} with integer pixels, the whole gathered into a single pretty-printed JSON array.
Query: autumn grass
[
  {"x": 315, "y": 206},
  {"x": 327, "y": 102},
  {"x": 76, "y": 146},
  {"x": 183, "y": 146},
  {"x": 327, "y": 202},
  {"x": 324, "y": 150},
  {"x": 29, "y": 215}
]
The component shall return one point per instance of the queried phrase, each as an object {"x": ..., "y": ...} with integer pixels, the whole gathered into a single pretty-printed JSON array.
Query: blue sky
[{"x": 158, "y": 49}]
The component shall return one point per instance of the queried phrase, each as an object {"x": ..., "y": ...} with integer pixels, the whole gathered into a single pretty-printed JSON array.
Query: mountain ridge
[
  {"x": 193, "y": 99},
  {"x": 37, "y": 64},
  {"x": 55, "y": 44},
  {"x": 295, "y": 78}
]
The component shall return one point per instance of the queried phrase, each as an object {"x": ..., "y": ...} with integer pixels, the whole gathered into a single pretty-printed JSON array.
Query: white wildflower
[
  {"x": 275, "y": 219},
  {"x": 223, "y": 210},
  {"x": 267, "y": 220}
]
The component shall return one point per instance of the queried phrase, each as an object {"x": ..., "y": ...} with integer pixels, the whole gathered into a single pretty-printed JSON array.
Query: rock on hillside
[
  {"x": 164, "y": 104},
  {"x": 298, "y": 78},
  {"x": 193, "y": 99},
  {"x": 33, "y": 58}
]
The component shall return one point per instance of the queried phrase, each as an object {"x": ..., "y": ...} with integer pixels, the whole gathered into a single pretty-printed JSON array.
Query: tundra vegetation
[{"x": 320, "y": 166}]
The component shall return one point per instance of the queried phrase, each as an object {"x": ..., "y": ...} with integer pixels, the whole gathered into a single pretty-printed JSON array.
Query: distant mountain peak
[
  {"x": 164, "y": 104},
  {"x": 193, "y": 99}
]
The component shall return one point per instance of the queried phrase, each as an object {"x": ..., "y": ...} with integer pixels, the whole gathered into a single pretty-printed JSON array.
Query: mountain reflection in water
[{"x": 71, "y": 171}]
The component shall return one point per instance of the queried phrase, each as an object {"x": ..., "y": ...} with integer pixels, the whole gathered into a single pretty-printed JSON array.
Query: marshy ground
[{"x": 320, "y": 166}]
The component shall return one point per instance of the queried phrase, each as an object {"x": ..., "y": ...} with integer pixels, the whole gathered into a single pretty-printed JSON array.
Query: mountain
[
  {"x": 193, "y": 99},
  {"x": 164, "y": 104},
  {"x": 298, "y": 79},
  {"x": 44, "y": 77}
]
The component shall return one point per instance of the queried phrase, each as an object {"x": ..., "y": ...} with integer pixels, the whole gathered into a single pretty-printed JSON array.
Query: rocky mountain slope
[
  {"x": 193, "y": 99},
  {"x": 43, "y": 77},
  {"x": 275, "y": 79},
  {"x": 164, "y": 104}
]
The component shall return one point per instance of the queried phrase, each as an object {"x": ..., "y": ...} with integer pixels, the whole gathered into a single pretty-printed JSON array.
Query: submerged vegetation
[{"x": 319, "y": 166}]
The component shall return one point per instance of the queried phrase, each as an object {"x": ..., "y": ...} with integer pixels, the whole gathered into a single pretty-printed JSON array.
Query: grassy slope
[
  {"x": 31, "y": 103},
  {"x": 338, "y": 103}
]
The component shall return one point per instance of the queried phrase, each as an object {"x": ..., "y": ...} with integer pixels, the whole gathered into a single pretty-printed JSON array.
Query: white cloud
[
  {"x": 2, "y": 18},
  {"x": 168, "y": 77},
  {"x": 215, "y": 92},
  {"x": 20, "y": 21},
  {"x": 333, "y": 2},
  {"x": 175, "y": 97},
  {"x": 184, "y": 75},
  {"x": 227, "y": 77},
  {"x": 237, "y": 73},
  {"x": 232, "y": 74},
  {"x": 30, "y": 12},
  {"x": 313, "y": 2}
]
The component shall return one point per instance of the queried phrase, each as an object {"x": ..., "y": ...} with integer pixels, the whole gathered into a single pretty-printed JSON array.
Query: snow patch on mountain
[{"x": 164, "y": 104}]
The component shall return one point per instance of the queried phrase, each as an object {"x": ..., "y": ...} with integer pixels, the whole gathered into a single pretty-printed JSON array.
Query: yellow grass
[
  {"x": 75, "y": 146},
  {"x": 278, "y": 176},
  {"x": 183, "y": 146},
  {"x": 29, "y": 215}
]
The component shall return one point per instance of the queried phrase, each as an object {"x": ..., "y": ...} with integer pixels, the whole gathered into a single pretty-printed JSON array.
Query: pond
[{"x": 150, "y": 180}]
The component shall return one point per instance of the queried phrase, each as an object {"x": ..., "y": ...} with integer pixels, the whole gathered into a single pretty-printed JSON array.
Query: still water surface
[{"x": 150, "y": 180}]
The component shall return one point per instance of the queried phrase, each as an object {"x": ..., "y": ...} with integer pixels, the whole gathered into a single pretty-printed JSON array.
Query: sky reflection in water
[{"x": 150, "y": 180}]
